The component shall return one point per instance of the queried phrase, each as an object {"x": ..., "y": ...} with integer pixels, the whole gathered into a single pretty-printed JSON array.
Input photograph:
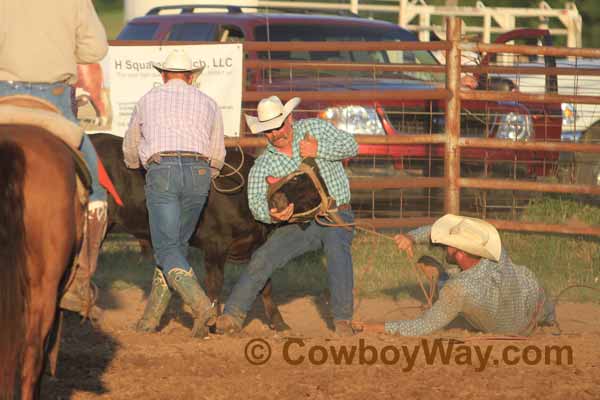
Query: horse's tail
[{"x": 13, "y": 274}]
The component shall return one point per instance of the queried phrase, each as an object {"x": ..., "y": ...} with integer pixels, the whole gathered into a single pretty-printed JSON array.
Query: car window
[
  {"x": 193, "y": 31},
  {"x": 231, "y": 34},
  {"x": 317, "y": 33},
  {"x": 138, "y": 32},
  {"x": 420, "y": 57}
]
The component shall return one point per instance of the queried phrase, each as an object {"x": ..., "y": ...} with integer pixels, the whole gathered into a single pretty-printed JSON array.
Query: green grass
[
  {"x": 111, "y": 16},
  {"x": 381, "y": 270},
  {"x": 560, "y": 260}
]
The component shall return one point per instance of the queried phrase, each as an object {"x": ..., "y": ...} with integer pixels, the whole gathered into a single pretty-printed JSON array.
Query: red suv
[{"x": 505, "y": 120}]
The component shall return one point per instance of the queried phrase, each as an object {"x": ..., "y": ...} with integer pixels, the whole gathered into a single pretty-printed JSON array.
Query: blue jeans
[
  {"x": 289, "y": 242},
  {"x": 176, "y": 191},
  {"x": 63, "y": 101}
]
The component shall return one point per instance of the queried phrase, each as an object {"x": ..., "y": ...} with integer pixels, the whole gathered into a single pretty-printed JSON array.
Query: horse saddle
[
  {"x": 34, "y": 111},
  {"x": 307, "y": 190}
]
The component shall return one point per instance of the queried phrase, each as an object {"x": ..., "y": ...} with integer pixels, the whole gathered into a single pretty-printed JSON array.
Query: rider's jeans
[{"x": 60, "y": 94}]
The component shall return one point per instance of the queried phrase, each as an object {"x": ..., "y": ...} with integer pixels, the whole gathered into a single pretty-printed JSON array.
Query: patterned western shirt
[
  {"x": 334, "y": 146},
  {"x": 175, "y": 117},
  {"x": 494, "y": 297}
]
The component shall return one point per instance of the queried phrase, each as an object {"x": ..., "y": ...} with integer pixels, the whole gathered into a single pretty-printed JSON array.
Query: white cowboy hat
[
  {"x": 471, "y": 235},
  {"x": 271, "y": 114},
  {"x": 177, "y": 61}
]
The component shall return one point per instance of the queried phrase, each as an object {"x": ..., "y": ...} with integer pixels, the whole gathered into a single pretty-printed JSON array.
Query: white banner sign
[{"x": 128, "y": 75}]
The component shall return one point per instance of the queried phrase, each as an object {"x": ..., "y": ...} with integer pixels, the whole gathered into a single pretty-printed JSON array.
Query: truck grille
[
  {"x": 411, "y": 120},
  {"x": 427, "y": 120}
]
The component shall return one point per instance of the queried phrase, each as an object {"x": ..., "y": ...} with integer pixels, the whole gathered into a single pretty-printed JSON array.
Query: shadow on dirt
[{"x": 85, "y": 354}]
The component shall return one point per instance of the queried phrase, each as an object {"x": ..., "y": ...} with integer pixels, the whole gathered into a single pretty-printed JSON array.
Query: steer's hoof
[{"x": 278, "y": 324}]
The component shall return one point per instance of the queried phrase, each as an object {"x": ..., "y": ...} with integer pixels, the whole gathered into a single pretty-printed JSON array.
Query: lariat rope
[{"x": 234, "y": 171}]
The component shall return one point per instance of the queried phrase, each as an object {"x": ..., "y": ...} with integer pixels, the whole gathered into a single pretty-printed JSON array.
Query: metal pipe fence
[{"x": 436, "y": 136}]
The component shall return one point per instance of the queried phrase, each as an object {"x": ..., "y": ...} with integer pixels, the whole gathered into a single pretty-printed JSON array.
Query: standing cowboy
[
  {"x": 41, "y": 43},
  {"x": 289, "y": 143},
  {"x": 176, "y": 131},
  {"x": 491, "y": 293}
]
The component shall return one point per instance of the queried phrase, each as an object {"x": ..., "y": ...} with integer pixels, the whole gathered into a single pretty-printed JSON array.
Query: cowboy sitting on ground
[{"x": 491, "y": 293}]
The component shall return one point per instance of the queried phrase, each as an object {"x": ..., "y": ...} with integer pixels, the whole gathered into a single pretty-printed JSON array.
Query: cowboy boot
[
  {"x": 227, "y": 324},
  {"x": 186, "y": 284},
  {"x": 159, "y": 298},
  {"x": 343, "y": 328},
  {"x": 81, "y": 294}
]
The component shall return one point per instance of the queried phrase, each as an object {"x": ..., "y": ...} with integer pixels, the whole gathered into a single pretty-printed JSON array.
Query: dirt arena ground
[{"x": 111, "y": 361}]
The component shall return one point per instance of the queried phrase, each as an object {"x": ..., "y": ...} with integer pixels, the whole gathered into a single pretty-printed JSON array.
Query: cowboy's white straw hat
[
  {"x": 470, "y": 235},
  {"x": 271, "y": 114},
  {"x": 177, "y": 61}
]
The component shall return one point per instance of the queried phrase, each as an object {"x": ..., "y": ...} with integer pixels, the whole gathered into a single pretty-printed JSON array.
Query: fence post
[{"x": 452, "y": 152}]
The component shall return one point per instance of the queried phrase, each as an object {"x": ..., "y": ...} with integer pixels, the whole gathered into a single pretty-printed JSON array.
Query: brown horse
[{"x": 41, "y": 225}]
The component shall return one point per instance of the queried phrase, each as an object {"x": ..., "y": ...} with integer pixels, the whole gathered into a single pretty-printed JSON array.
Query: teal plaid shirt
[
  {"x": 334, "y": 146},
  {"x": 494, "y": 297}
]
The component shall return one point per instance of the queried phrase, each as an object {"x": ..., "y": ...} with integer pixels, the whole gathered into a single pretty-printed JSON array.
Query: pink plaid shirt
[{"x": 175, "y": 117}]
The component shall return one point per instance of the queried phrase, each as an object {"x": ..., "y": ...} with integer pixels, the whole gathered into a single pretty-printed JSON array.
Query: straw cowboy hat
[
  {"x": 471, "y": 235},
  {"x": 271, "y": 114},
  {"x": 177, "y": 61}
]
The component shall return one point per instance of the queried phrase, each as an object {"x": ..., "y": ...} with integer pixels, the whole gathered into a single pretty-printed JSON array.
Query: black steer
[{"x": 226, "y": 231}]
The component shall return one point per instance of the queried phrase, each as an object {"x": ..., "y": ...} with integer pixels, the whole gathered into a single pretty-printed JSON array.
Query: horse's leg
[
  {"x": 46, "y": 266},
  {"x": 13, "y": 272},
  {"x": 41, "y": 313},
  {"x": 274, "y": 317},
  {"x": 53, "y": 345}
]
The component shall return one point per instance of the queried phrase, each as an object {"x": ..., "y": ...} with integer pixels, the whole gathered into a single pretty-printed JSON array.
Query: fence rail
[
  {"x": 419, "y": 16},
  {"x": 413, "y": 222},
  {"x": 451, "y": 95}
]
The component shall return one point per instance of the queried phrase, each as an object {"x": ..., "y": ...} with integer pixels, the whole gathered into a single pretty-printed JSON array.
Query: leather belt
[
  {"x": 188, "y": 154},
  {"x": 155, "y": 158}
]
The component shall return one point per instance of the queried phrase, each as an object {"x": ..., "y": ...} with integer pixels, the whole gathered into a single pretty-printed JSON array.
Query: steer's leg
[
  {"x": 274, "y": 317},
  {"x": 146, "y": 249},
  {"x": 214, "y": 265}
]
